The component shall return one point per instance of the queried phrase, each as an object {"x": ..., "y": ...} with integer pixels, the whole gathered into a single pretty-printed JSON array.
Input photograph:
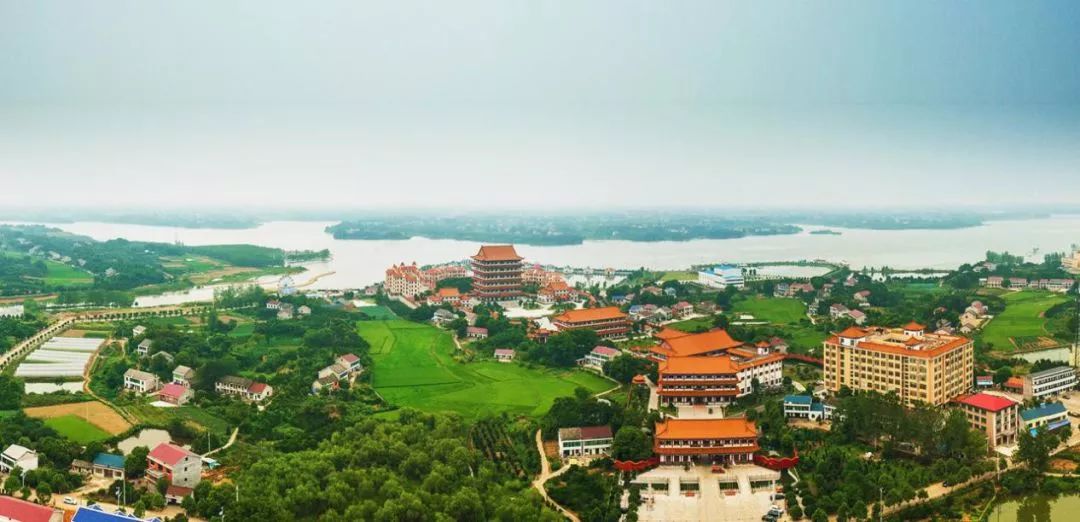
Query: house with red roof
[
  {"x": 246, "y": 389},
  {"x": 180, "y": 466},
  {"x": 598, "y": 356},
  {"x": 996, "y": 416},
  {"x": 174, "y": 393},
  {"x": 15, "y": 509},
  {"x": 505, "y": 355}
]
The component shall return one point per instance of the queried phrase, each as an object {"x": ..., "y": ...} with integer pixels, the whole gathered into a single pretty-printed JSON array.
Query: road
[
  {"x": 232, "y": 439},
  {"x": 545, "y": 475}
]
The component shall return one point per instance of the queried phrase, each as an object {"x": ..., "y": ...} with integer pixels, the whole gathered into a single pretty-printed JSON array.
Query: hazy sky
[{"x": 562, "y": 104}]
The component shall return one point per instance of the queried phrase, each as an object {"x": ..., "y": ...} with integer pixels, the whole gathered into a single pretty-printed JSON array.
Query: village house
[
  {"x": 977, "y": 309},
  {"x": 1049, "y": 416},
  {"x": 994, "y": 282},
  {"x": 138, "y": 331},
  {"x": 285, "y": 312},
  {"x": 858, "y": 316},
  {"x": 180, "y": 466},
  {"x": 183, "y": 375},
  {"x": 449, "y": 295},
  {"x": 273, "y": 304},
  {"x": 705, "y": 441},
  {"x": 140, "y": 381},
  {"x": 1018, "y": 282},
  {"x": 476, "y": 332},
  {"x": 350, "y": 361},
  {"x": 17, "y": 510},
  {"x": 504, "y": 355},
  {"x": 608, "y": 322},
  {"x": 993, "y": 415},
  {"x": 324, "y": 382},
  {"x": 806, "y": 407},
  {"x": 598, "y": 356},
  {"x": 304, "y": 310},
  {"x": 143, "y": 349},
  {"x": 177, "y": 394},
  {"x": 1049, "y": 382},
  {"x": 585, "y": 441},
  {"x": 837, "y": 311},
  {"x": 681, "y": 309},
  {"x": 443, "y": 316},
  {"x": 104, "y": 465},
  {"x": 16, "y": 456},
  {"x": 246, "y": 389}
]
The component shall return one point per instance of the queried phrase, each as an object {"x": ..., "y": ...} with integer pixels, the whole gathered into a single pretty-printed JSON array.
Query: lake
[
  {"x": 1037, "y": 508},
  {"x": 357, "y": 263}
]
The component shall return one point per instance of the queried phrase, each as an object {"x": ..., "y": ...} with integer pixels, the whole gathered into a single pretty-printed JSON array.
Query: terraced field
[{"x": 413, "y": 366}]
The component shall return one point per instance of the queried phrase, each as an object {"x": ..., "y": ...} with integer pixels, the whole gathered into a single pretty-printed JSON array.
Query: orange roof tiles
[
  {"x": 698, "y": 344},
  {"x": 914, "y": 327},
  {"x": 449, "y": 291},
  {"x": 699, "y": 365},
  {"x": 590, "y": 314},
  {"x": 681, "y": 429},
  {"x": 669, "y": 333},
  {"x": 1014, "y": 382},
  {"x": 852, "y": 332},
  {"x": 897, "y": 349},
  {"x": 497, "y": 253}
]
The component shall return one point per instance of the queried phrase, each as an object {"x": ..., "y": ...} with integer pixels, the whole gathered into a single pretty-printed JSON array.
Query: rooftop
[
  {"x": 986, "y": 401},
  {"x": 1043, "y": 410},
  {"x": 497, "y": 253},
  {"x": 109, "y": 460},
  {"x": 12, "y": 508},
  {"x": 590, "y": 314},
  {"x": 585, "y": 433},
  {"x": 173, "y": 390},
  {"x": 606, "y": 350},
  {"x": 698, "y": 344},
  {"x": 895, "y": 341},
  {"x": 169, "y": 454},
  {"x": 679, "y": 429},
  {"x": 698, "y": 365},
  {"x": 799, "y": 399}
]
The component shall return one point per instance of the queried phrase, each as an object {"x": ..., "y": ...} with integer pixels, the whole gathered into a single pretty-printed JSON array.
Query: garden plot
[{"x": 59, "y": 357}]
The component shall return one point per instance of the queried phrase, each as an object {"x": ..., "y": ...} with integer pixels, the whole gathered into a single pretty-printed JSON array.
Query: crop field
[
  {"x": 377, "y": 312},
  {"x": 76, "y": 429},
  {"x": 93, "y": 412},
  {"x": 191, "y": 414},
  {"x": 59, "y": 274},
  {"x": 679, "y": 276},
  {"x": 413, "y": 367},
  {"x": 1022, "y": 320},
  {"x": 775, "y": 310}
]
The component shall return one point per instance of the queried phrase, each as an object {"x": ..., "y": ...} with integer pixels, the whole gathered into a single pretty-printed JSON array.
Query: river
[
  {"x": 357, "y": 263},
  {"x": 1037, "y": 508}
]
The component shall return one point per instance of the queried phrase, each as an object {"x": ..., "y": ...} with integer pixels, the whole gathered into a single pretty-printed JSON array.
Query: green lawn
[
  {"x": 161, "y": 416},
  {"x": 695, "y": 325},
  {"x": 413, "y": 367},
  {"x": 59, "y": 274},
  {"x": 377, "y": 312},
  {"x": 1022, "y": 318},
  {"x": 679, "y": 276},
  {"x": 775, "y": 310},
  {"x": 77, "y": 429}
]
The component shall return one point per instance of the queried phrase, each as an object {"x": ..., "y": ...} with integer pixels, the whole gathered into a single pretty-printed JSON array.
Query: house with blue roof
[
  {"x": 1049, "y": 416},
  {"x": 806, "y": 407},
  {"x": 96, "y": 513},
  {"x": 108, "y": 465}
]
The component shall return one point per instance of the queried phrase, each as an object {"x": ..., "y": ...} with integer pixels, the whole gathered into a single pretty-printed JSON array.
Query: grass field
[
  {"x": 76, "y": 429},
  {"x": 377, "y": 312},
  {"x": 679, "y": 276},
  {"x": 93, "y": 412},
  {"x": 59, "y": 274},
  {"x": 155, "y": 415},
  {"x": 414, "y": 367},
  {"x": 695, "y": 325},
  {"x": 772, "y": 309},
  {"x": 1022, "y": 318}
]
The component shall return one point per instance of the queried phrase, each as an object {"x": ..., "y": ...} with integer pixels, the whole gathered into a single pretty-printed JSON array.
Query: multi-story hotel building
[
  {"x": 917, "y": 366},
  {"x": 607, "y": 322},
  {"x": 496, "y": 273},
  {"x": 996, "y": 416},
  {"x": 705, "y": 441},
  {"x": 404, "y": 280},
  {"x": 716, "y": 380},
  {"x": 1048, "y": 382}
]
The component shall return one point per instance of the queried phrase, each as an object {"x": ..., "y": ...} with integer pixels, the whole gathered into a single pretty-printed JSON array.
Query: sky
[{"x": 562, "y": 104}]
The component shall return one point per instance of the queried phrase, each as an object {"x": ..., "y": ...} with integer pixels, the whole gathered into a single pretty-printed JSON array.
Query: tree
[
  {"x": 796, "y": 512},
  {"x": 1035, "y": 449},
  {"x": 624, "y": 367},
  {"x": 44, "y": 492},
  {"x": 631, "y": 444},
  {"x": 135, "y": 464},
  {"x": 820, "y": 516}
]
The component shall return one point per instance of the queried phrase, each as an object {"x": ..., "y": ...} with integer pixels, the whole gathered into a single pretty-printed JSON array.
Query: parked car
[{"x": 70, "y": 501}]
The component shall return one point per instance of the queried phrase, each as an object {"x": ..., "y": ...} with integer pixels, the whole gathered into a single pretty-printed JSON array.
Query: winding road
[{"x": 546, "y": 475}]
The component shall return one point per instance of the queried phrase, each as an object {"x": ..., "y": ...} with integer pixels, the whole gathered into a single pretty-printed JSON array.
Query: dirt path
[
  {"x": 232, "y": 439},
  {"x": 88, "y": 376},
  {"x": 545, "y": 475}
]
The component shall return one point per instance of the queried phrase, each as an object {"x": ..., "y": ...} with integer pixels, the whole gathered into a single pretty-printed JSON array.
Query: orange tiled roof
[
  {"x": 698, "y": 365},
  {"x": 698, "y": 344},
  {"x": 1014, "y": 382},
  {"x": 679, "y": 429},
  {"x": 852, "y": 332},
  {"x": 907, "y": 352},
  {"x": 449, "y": 291},
  {"x": 669, "y": 333},
  {"x": 914, "y": 327},
  {"x": 497, "y": 253},
  {"x": 590, "y": 314}
]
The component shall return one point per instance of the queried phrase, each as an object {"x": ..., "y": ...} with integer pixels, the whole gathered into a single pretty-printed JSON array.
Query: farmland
[
  {"x": 772, "y": 309},
  {"x": 76, "y": 429},
  {"x": 413, "y": 366},
  {"x": 94, "y": 412},
  {"x": 1021, "y": 321}
]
